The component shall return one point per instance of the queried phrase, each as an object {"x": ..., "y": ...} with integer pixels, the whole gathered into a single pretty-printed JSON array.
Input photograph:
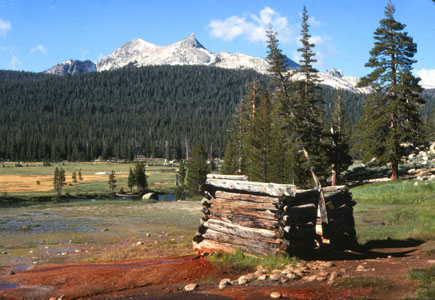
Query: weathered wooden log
[
  {"x": 243, "y": 220},
  {"x": 339, "y": 198},
  {"x": 301, "y": 198},
  {"x": 242, "y": 231},
  {"x": 245, "y": 197},
  {"x": 211, "y": 246},
  {"x": 272, "y": 189},
  {"x": 205, "y": 202},
  {"x": 344, "y": 210},
  {"x": 227, "y": 177},
  {"x": 242, "y": 204},
  {"x": 264, "y": 214},
  {"x": 329, "y": 189},
  {"x": 252, "y": 245}
]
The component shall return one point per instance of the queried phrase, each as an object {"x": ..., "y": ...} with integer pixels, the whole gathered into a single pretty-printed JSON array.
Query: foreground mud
[{"x": 165, "y": 278}]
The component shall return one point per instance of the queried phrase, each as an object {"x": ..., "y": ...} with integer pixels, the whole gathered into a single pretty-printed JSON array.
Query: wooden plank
[
  {"x": 272, "y": 189},
  {"x": 264, "y": 214},
  {"x": 330, "y": 189},
  {"x": 246, "y": 197},
  {"x": 210, "y": 246},
  {"x": 242, "y": 204},
  {"x": 228, "y": 177},
  {"x": 242, "y": 231},
  {"x": 248, "y": 221},
  {"x": 253, "y": 245}
]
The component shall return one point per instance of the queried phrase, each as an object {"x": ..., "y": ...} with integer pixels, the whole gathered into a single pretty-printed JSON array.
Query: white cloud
[
  {"x": 252, "y": 27},
  {"x": 427, "y": 77},
  {"x": 15, "y": 63},
  {"x": 313, "y": 21},
  {"x": 40, "y": 48},
  {"x": 5, "y": 26}
]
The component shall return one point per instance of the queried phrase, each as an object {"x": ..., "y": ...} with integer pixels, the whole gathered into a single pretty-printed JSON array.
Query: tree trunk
[
  {"x": 394, "y": 170},
  {"x": 334, "y": 176}
]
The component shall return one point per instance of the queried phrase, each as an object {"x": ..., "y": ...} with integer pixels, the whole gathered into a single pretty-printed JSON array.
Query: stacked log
[
  {"x": 341, "y": 224},
  {"x": 264, "y": 218}
]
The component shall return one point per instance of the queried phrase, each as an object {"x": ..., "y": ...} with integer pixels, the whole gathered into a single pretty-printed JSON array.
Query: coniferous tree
[
  {"x": 229, "y": 166},
  {"x": 140, "y": 176},
  {"x": 112, "y": 181},
  {"x": 59, "y": 180},
  {"x": 196, "y": 169},
  {"x": 182, "y": 173},
  {"x": 339, "y": 156},
  {"x": 131, "y": 181},
  {"x": 74, "y": 177},
  {"x": 391, "y": 111},
  {"x": 261, "y": 142}
]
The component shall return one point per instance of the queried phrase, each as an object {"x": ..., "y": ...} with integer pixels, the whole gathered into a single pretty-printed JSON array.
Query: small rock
[
  {"x": 320, "y": 278},
  {"x": 4, "y": 252},
  {"x": 259, "y": 267},
  {"x": 148, "y": 234},
  {"x": 53, "y": 298},
  {"x": 252, "y": 277},
  {"x": 263, "y": 277},
  {"x": 342, "y": 270},
  {"x": 333, "y": 275},
  {"x": 360, "y": 268},
  {"x": 140, "y": 243},
  {"x": 275, "y": 277},
  {"x": 224, "y": 282},
  {"x": 35, "y": 262},
  {"x": 190, "y": 287},
  {"x": 373, "y": 269},
  {"x": 284, "y": 279},
  {"x": 77, "y": 251},
  {"x": 312, "y": 278},
  {"x": 275, "y": 295},
  {"x": 389, "y": 256},
  {"x": 327, "y": 264},
  {"x": 10, "y": 272},
  {"x": 243, "y": 279},
  {"x": 63, "y": 253},
  {"x": 156, "y": 242},
  {"x": 300, "y": 265},
  {"x": 258, "y": 273},
  {"x": 323, "y": 273},
  {"x": 276, "y": 271},
  {"x": 104, "y": 229}
]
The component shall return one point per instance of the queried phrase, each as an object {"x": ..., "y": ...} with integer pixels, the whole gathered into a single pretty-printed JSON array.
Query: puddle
[
  {"x": 20, "y": 268},
  {"x": 8, "y": 286}
]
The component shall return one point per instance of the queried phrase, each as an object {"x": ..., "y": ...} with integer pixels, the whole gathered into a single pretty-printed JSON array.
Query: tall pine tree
[
  {"x": 196, "y": 169},
  {"x": 391, "y": 111},
  {"x": 339, "y": 157}
]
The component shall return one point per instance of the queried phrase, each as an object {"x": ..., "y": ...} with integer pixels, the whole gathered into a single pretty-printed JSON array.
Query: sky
[{"x": 36, "y": 35}]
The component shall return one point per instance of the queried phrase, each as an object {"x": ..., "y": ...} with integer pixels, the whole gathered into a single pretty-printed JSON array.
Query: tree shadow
[{"x": 370, "y": 250}]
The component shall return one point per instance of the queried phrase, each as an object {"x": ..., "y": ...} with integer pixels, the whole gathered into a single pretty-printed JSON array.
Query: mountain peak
[{"x": 190, "y": 42}]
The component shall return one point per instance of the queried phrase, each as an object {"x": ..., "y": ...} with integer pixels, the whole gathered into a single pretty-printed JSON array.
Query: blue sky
[{"x": 35, "y": 35}]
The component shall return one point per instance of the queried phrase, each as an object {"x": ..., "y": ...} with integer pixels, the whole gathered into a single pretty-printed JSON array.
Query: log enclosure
[{"x": 268, "y": 218}]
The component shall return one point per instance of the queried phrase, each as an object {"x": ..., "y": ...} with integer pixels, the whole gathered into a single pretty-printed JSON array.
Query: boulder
[
  {"x": 149, "y": 196},
  {"x": 190, "y": 287},
  {"x": 224, "y": 283}
]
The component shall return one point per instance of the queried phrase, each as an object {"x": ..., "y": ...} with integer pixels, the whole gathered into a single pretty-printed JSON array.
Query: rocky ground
[{"x": 377, "y": 271}]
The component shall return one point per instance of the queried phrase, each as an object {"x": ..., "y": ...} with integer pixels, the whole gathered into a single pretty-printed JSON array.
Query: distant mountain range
[{"x": 189, "y": 51}]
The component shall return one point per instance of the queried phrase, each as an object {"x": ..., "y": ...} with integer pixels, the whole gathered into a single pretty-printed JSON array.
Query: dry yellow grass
[{"x": 28, "y": 183}]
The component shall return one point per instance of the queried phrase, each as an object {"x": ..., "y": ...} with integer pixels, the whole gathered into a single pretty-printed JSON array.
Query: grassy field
[
  {"x": 34, "y": 179},
  {"x": 397, "y": 210}
]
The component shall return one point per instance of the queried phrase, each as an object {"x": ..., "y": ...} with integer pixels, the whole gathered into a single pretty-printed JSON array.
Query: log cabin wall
[{"x": 265, "y": 218}]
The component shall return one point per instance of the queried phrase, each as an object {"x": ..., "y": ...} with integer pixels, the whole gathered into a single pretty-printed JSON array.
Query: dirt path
[{"x": 165, "y": 278}]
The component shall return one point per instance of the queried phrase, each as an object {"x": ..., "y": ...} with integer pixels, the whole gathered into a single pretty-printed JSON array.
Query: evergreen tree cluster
[
  {"x": 294, "y": 130},
  {"x": 153, "y": 111}
]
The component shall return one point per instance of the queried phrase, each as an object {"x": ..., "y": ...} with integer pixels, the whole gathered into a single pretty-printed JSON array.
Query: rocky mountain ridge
[{"x": 189, "y": 51}]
